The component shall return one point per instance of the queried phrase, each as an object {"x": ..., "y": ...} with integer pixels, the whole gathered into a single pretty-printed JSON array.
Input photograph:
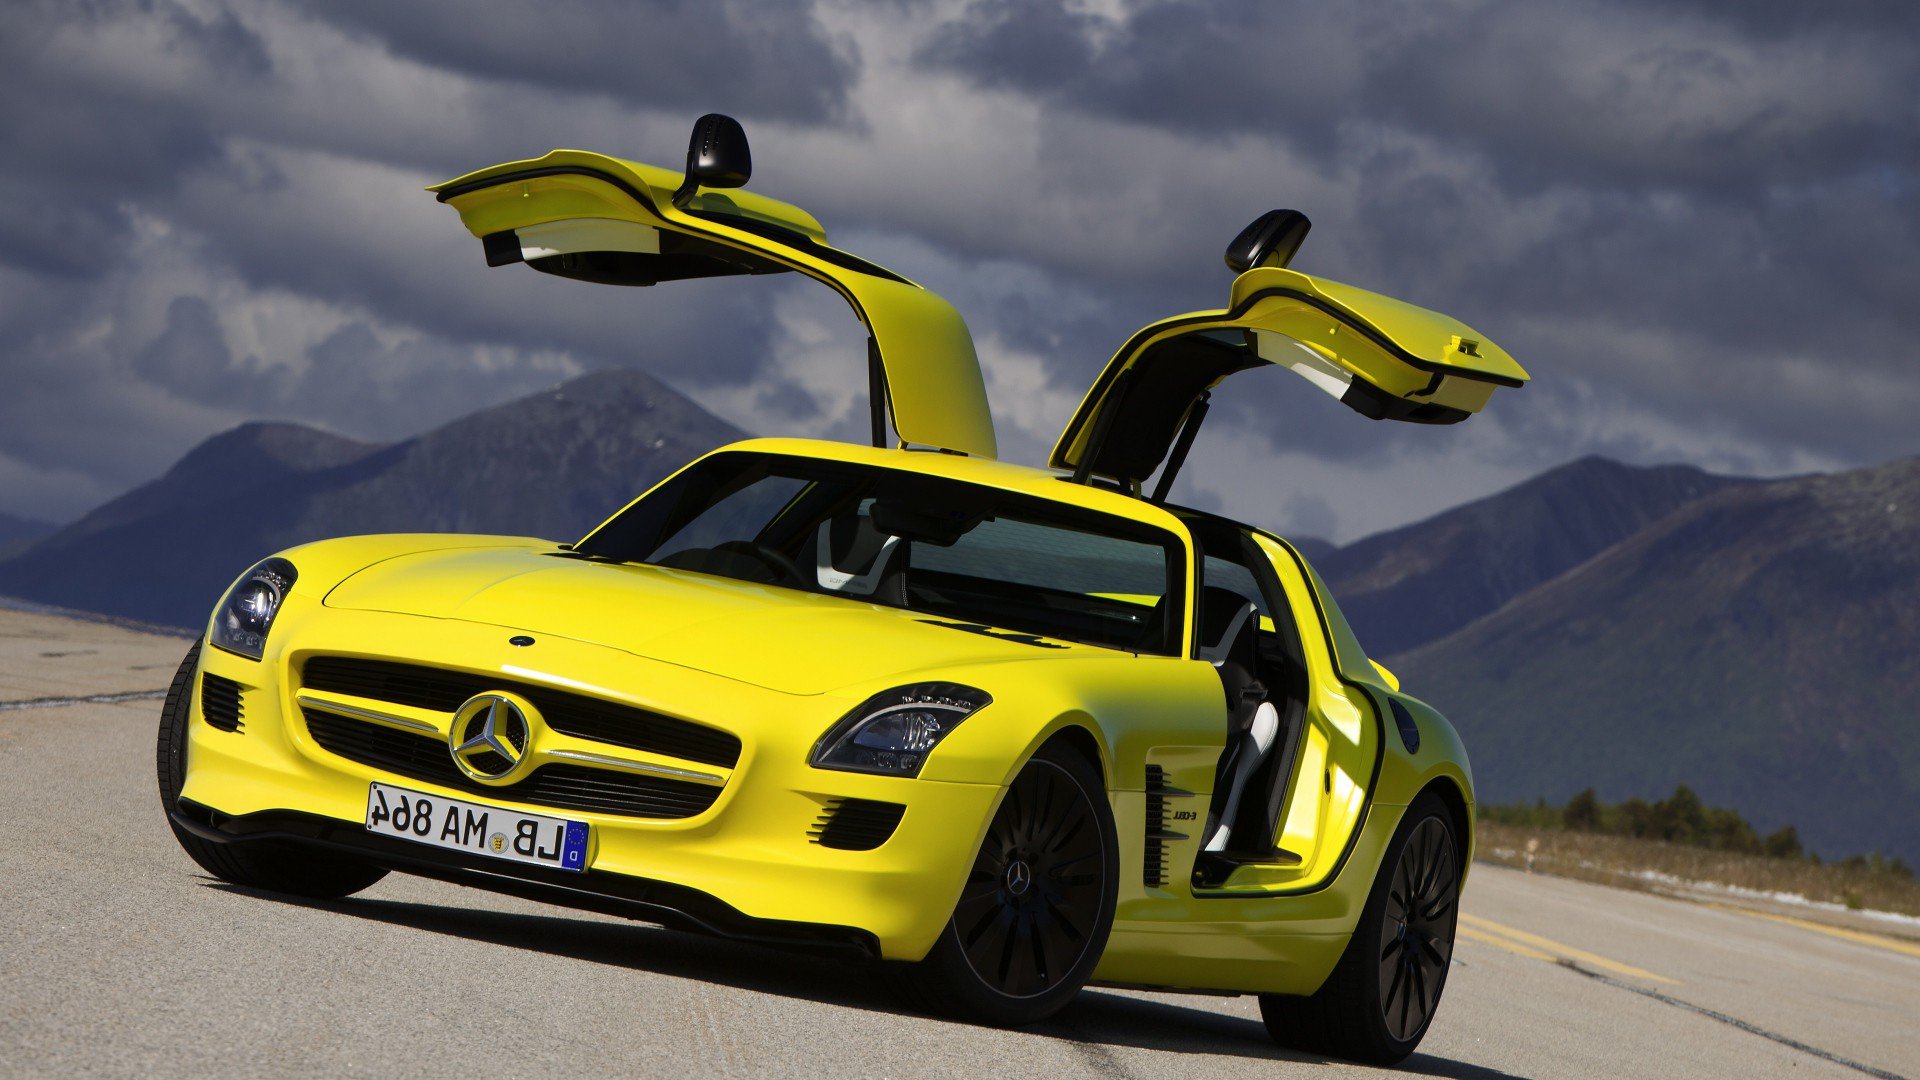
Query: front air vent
[
  {"x": 1161, "y": 799},
  {"x": 443, "y": 690},
  {"x": 856, "y": 824},
  {"x": 220, "y": 702}
]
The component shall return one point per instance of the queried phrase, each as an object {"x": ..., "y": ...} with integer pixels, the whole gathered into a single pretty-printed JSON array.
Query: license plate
[{"x": 484, "y": 830}]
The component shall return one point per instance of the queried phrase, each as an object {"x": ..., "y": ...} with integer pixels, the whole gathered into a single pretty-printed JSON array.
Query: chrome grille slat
[
  {"x": 565, "y": 787},
  {"x": 584, "y": 717}
]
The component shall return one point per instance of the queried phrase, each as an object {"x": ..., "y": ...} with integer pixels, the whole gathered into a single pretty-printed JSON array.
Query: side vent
[
  {"x": 1161, "y": 808},
  {"x": 856, "y": 824},
  {"x": 220, "y": 702}
]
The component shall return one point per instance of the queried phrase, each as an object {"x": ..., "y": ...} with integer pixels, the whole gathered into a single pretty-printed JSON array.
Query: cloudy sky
[{"x": 1697, "y": 224}]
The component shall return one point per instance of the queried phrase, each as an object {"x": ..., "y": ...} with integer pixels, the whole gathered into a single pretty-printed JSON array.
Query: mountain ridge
[
  {"x": 611, "y": 434},
  {"x": 1756, "y": 645},
  {"x": 1407, "y": 586}
]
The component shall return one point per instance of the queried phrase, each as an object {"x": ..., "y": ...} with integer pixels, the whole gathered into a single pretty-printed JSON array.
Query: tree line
[{"x": 1680, "y": 818}]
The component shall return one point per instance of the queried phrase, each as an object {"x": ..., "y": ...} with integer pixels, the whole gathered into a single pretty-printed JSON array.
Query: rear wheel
[
  {"x": 257, "y": 864},
  {"x": 1034, "y": 914},
  {"x": 1380, "y": 999}
]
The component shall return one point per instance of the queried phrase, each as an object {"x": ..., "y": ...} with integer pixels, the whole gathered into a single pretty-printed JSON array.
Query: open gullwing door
[
  {"x": 1383, "y": 358},
  {"x": 607, "y": 220}
]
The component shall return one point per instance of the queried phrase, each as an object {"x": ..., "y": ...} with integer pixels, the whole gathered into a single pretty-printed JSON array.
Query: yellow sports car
[{"x": 1013, "y": 729}]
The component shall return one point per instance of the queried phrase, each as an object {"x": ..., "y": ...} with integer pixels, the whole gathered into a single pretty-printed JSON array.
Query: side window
[
  {"x": 1237, "y": 567},
  {"x": 1221, "y": 574},
  {"x": 1051, "y": 579},
  {"x": 1040, "y": 556}
]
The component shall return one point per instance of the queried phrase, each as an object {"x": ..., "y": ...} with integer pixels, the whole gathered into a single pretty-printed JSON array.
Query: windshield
[{"x": 990, "y": 561}]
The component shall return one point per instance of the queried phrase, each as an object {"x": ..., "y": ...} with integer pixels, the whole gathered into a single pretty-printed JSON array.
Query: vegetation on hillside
[{"x": 1683, "y": 819}]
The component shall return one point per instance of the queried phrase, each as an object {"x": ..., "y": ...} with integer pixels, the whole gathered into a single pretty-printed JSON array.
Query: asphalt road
[{"x": 118, "y": 957}]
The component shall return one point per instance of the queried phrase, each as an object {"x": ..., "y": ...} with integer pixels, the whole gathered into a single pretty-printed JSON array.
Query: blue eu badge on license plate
[{"x": 573, "y": 850}]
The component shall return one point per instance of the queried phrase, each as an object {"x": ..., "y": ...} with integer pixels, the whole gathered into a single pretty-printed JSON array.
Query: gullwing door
[
  {"x": 606, "y": 220},
  {"x": 1383, "y": 358}
]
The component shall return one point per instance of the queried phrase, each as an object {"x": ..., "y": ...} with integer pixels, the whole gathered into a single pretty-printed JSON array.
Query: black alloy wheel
[
  {"x": 1380, "y": 999},
  {"x": 1416, "y": 937},
  {"x": 1029, "y": 906},
  {"x": 1033, "y": 915}
]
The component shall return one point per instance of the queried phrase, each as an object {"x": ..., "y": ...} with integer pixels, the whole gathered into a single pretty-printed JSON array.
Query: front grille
[
  {"x": 856, "y": 824},
  {"x": 567, "y": 787},
  {"x": 570, "y": 714},
  {"x": 220, "y": 702}
]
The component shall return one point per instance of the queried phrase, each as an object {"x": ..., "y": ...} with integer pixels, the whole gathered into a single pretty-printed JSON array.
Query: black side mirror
[
  {"x": 1272, "y": 240},
  {"x": 717, "y": 157}
]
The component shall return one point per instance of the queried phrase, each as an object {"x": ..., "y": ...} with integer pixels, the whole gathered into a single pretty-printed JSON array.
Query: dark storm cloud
[
  {"x": 1667, "y": 93},
  {"x": 176, "y": 172},
  {"x": 1710, "y": 210},
  {"x": 82, "y": 144},
  {"x": 770, "y": 60},
  {"x": 1696, "y": 223}
]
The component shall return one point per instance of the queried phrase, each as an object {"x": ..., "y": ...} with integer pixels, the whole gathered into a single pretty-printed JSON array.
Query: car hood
[{"x": 781, "y": 639}]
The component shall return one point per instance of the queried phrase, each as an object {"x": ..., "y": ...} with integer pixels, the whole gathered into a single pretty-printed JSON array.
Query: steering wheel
[{"x": 783, "y": 567}]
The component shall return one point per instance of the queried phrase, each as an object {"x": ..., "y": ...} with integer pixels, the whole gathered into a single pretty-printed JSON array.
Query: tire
[
  {"x": 1022, "y": 942},
  {"x": 1381, "y": 997},
  {"x": 256, "y": 864}
]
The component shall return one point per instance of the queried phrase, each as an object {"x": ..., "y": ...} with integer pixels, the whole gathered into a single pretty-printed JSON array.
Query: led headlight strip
[{"x": 892, "y": 732}]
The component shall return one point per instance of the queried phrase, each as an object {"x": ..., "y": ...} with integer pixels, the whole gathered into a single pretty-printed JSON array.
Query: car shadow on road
[{"x": 1097, "y": 1018}]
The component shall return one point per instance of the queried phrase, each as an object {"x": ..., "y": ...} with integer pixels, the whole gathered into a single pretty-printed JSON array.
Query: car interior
[{"x": 1245, "y": 631}]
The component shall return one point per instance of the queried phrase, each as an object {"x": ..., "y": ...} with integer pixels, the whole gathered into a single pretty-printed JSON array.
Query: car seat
[{"x": 1228, "y": 623}]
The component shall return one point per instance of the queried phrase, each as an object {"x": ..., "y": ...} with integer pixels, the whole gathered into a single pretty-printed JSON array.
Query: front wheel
[
  {"x": 257, "y": 864},
  {"x": 1380, "y": 999},
  {"x": 1034, "y": 914}
]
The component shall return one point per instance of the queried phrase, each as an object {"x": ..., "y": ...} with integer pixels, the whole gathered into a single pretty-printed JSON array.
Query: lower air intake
[
  {"x": 220, "y": 702},
  {"x": 856, "y": 824}
]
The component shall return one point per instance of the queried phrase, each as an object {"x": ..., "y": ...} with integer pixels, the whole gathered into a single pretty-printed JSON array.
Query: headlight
[
  {"x": 241, "y": 623},
  {"x": 892, "y": 732}
]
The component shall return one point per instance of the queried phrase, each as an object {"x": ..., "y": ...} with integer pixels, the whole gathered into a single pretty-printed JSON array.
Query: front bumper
[
  {"x": 748, "y": 865},
  {"x": 594, "y": 890}
]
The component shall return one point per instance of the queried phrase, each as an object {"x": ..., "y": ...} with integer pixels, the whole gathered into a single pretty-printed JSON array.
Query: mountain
[
  {"x": 1404, "y": 588},
  {"x": 249, "y": 457},
  {"x": 16, "y": 533},
  {"x": 554, "y": 465},
  {"x": 1761, "y": 644}
]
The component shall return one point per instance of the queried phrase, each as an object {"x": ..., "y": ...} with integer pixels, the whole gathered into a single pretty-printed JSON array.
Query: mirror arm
[{"x": 1195, "y": 417}]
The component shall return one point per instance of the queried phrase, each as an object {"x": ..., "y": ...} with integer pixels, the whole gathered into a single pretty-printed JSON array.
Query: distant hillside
[
  {"x": 1761, "y": 645},
  {"x": 18, "y": 532},
  {"x": 1415, "y": 584},
  {"x": 554, "y": 465},
  {"x": 249, "y": 457}
]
